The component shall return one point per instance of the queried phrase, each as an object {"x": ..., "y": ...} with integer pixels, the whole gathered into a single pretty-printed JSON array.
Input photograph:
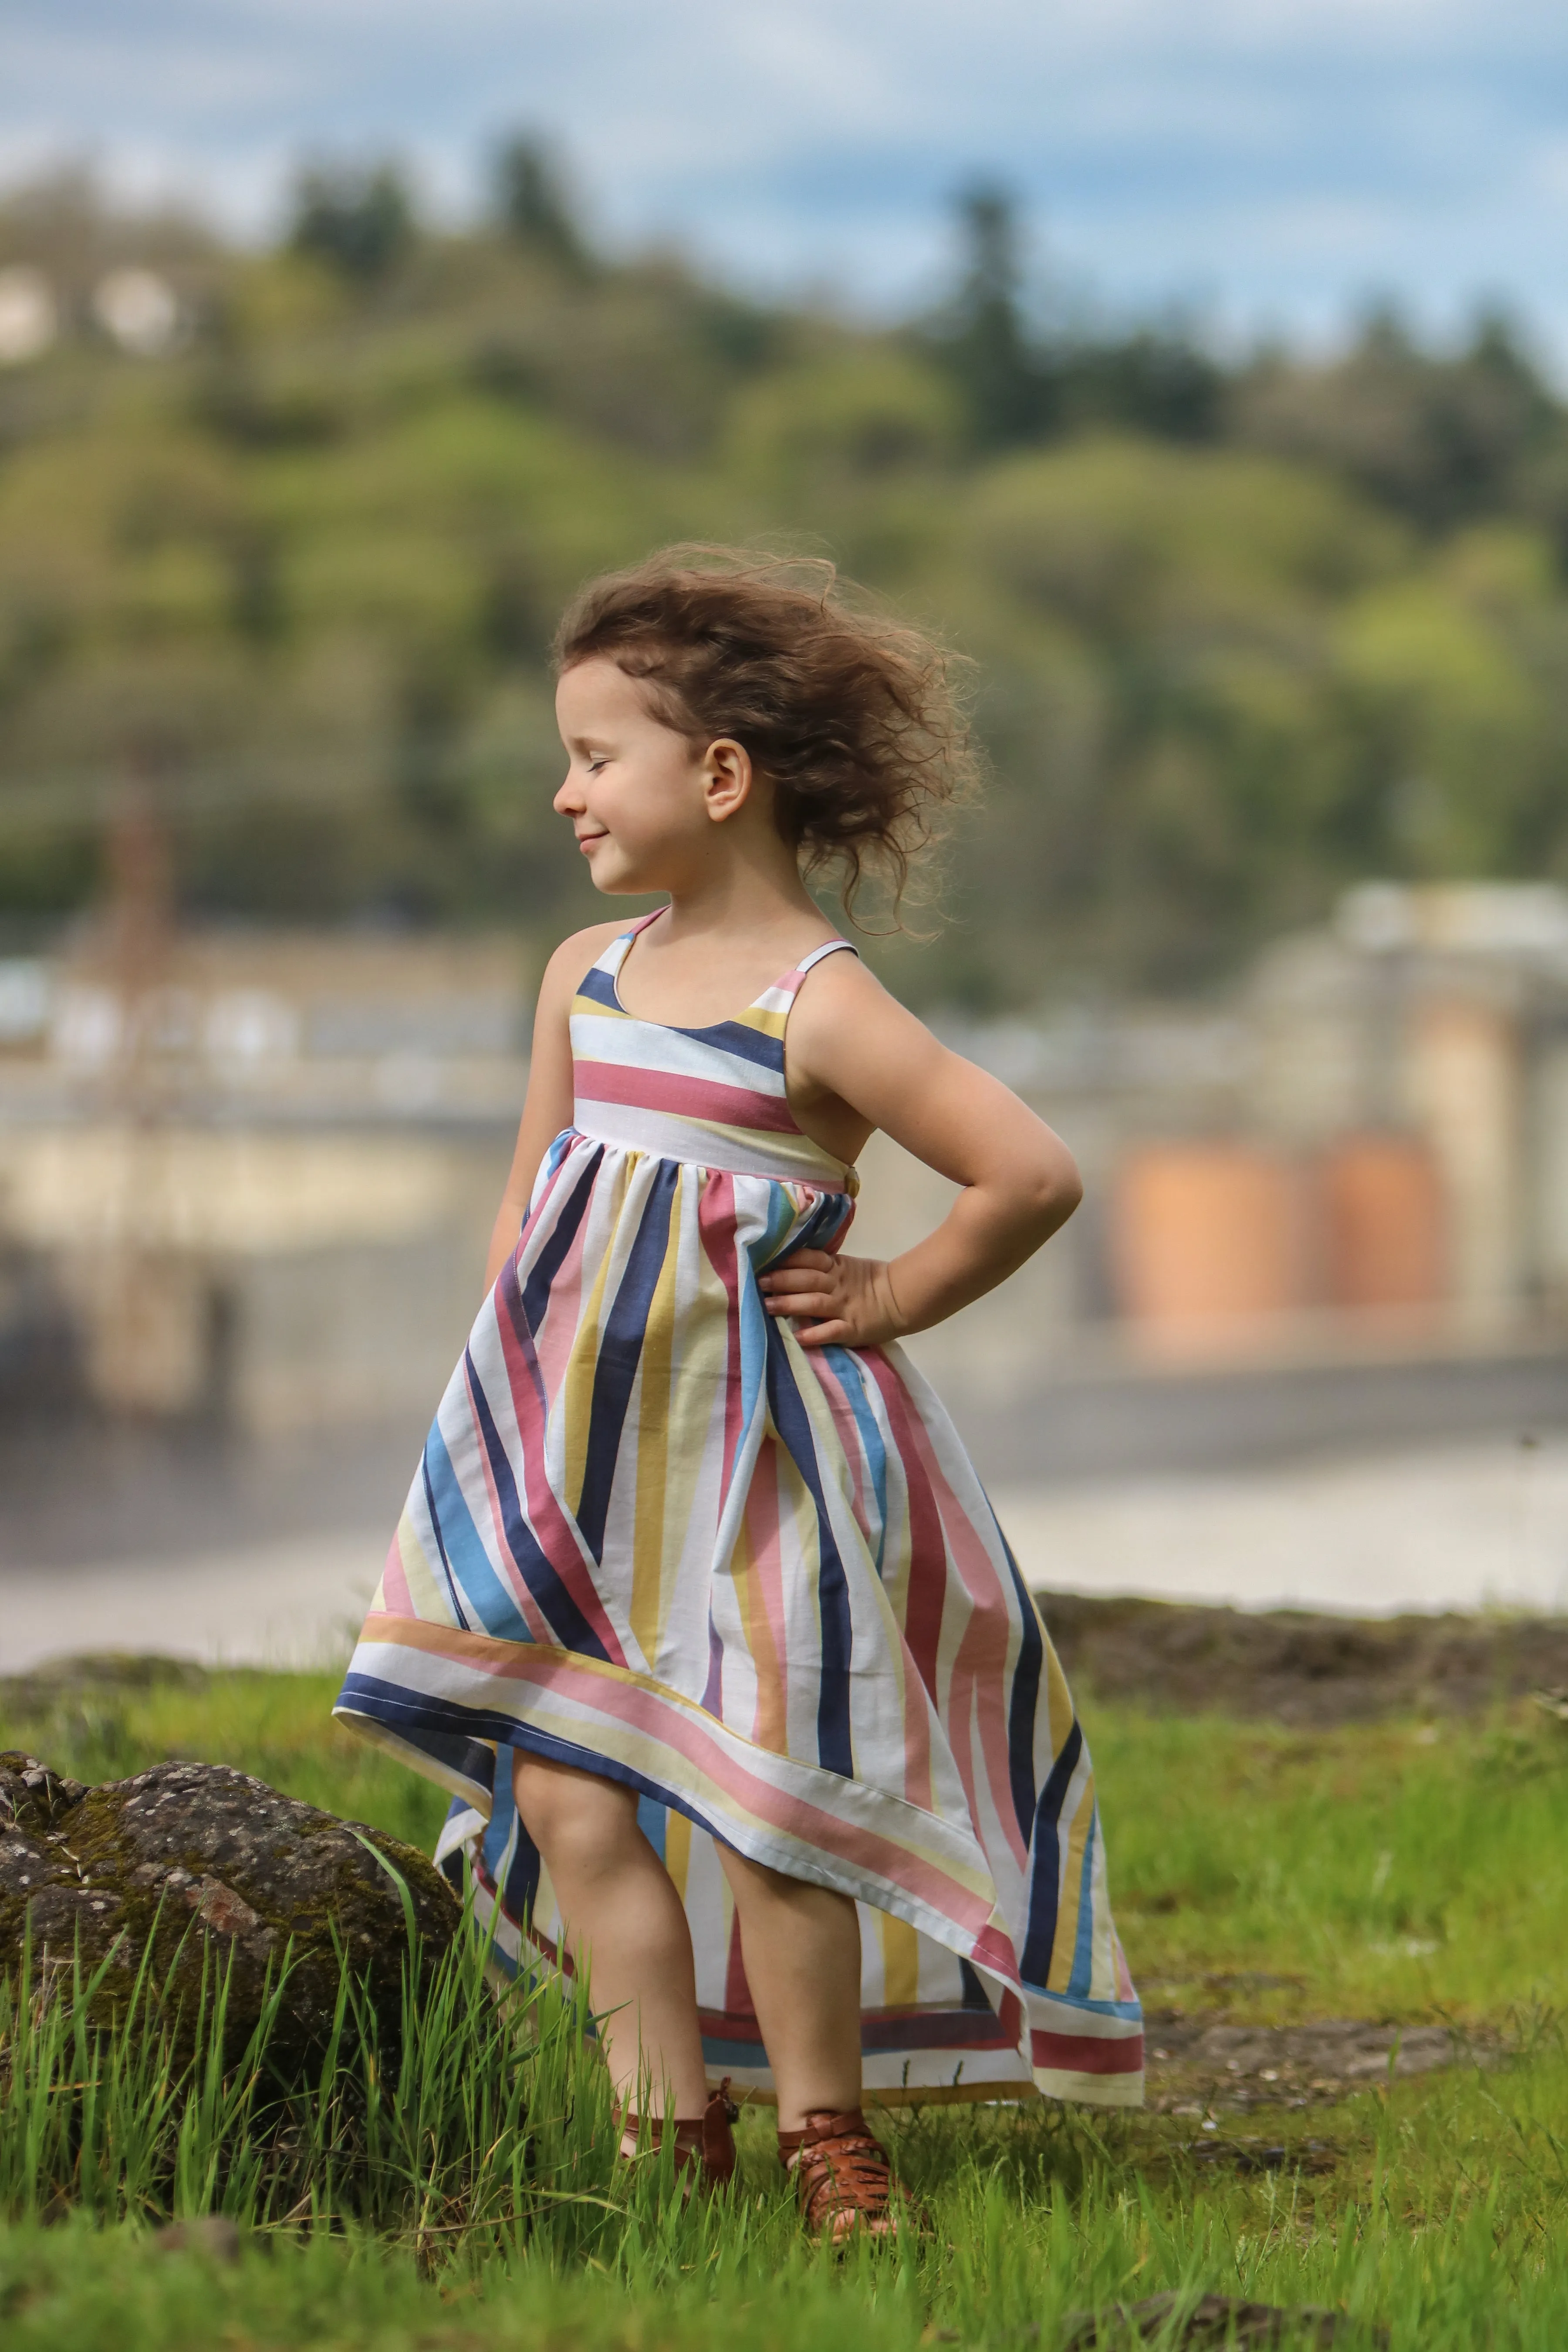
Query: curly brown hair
[{"x": 851, "y": 716}]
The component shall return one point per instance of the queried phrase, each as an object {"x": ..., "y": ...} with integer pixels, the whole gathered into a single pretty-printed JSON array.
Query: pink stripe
[
  {"x": 717, "y": 1219},
  {"x": 1086, "y": 2053},
  {"x": 764, "y": 1539},
  {"x": 986, "y": 1655},
  {"x": 538, "y": 1626},
  {"x": 557, "y": 1335},
  {"x": 686, "y": 1098},
  {"x": 927, "y": 1552},
  {"x": 395, "y": 1584},
  {"x": 554, "y": 1531},
  {"x": 917, "y": 1787}
]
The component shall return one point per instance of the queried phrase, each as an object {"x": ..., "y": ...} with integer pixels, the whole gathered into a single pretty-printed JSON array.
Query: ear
[{"x": 726, "y": 779}]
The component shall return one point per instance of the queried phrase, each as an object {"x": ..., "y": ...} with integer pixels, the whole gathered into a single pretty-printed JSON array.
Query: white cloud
[{"x": 1281, "y": 156}]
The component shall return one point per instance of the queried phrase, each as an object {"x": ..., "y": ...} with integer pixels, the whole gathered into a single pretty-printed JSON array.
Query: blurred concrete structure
[
  {"x": 1362, "y": 1153},
  {"x": 257, "y": 1183},
  {"x": 252, "y": 1177}
]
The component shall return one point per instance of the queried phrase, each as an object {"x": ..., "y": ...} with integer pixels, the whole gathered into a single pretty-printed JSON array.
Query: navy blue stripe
[
  {"x": 620, "y": 1352},
  {"x": 746, "y": 1044},
  {"x": 454, "y": 1740},
  {"x": 1024, "y": 1699},
  {"x": 834, "y": 1744},
  {"x": 434, "y": 1725},
  {"x": 436, "y": 1530},
  {"x": 736, "y": 1037},
  {"x": 974, "y": 1990},
  {"x": 599, "y": 987},
  {"x": 520, "y": 1892},
  {"x": 535, "y": 1297},
  {"x": 1045, "y": 1866},
  {"x": 538, "y": 1571}
]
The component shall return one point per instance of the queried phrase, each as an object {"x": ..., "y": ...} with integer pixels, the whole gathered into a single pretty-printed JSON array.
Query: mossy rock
[{"x": 208, "y": 1866}]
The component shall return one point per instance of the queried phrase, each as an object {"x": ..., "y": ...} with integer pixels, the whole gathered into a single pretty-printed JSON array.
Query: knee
[{"x": 572, "y": 1815}]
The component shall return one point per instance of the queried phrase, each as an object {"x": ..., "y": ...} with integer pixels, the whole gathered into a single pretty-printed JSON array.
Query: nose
[{"x": 569, "y": 800}]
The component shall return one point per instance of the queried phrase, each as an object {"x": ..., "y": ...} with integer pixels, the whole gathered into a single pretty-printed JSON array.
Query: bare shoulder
[
  {"x": 580, "y": 952},
  {"x": 841, "y": 983},
  {"x": 841, "y": 998}
]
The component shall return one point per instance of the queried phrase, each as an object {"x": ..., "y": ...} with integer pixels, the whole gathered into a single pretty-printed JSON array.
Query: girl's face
[{"x": 641, "y": 801}]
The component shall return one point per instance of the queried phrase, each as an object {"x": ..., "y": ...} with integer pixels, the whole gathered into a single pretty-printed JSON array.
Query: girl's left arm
[{"x": 852, "y": 1045}]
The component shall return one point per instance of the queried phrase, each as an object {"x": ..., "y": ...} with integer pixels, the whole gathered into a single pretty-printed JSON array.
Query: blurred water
[{"x": 1472, "y": 1525}]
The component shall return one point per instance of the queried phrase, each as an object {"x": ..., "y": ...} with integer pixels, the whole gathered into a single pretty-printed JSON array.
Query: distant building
[
  {"x": 261, "y": 1184},
  {"x": 255, "y": 1180},
  {"x": 1366, "y": 1147}
]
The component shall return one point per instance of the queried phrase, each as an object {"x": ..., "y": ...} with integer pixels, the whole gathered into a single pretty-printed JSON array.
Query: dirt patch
[
  {"x": 1222, "y": 2321},
  {"x": 1299, "y": 1668},
  {"x": 1201, "y": 2063}
]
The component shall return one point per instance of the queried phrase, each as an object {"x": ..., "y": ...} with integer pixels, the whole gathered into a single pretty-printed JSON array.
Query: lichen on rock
[{"x": 205, "y": 1871}]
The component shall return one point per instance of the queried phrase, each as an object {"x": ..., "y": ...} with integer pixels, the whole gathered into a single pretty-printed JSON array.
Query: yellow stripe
[
  {"x": 900, "y": 1961},
  {"x": 772, "y": 1024},
  {"x": 431, "y": 1600},
  {"x": 768, "y": 1727},
  {"x": 1065, "y": 1948},
  {"x": 678, "y": 1849}
]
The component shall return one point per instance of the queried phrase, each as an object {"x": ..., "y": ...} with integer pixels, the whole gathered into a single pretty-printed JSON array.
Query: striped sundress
[{"x": 654, "y": 1537}]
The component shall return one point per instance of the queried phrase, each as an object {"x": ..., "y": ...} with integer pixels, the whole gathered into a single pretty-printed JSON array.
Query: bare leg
[
  {"x": 802, "y": 1948},
  {"x": 623, "y": 1912}
]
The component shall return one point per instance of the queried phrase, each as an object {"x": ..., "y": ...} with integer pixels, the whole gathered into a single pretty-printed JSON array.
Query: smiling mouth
[{"x": 586, "y": 840}]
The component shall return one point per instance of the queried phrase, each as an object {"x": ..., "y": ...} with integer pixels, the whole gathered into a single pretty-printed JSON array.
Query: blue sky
[{"x": 1273, "y": 162}]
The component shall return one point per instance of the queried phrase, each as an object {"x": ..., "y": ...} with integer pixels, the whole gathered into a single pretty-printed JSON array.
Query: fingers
[
  {"x": 813, "y": 1289},
  {"x": 834, "y": 1333},
  {"x": 793, "y": 1287},
  {"x": 806, "y": 1268},
  {"x": 814, "y": 1302}
]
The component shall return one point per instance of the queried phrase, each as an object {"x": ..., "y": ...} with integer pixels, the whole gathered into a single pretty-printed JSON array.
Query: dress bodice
[{"x": 712, "y": 1097}]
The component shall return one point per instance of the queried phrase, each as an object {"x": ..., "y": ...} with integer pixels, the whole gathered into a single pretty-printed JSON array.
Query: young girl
[{"x": 698, "y": 1605}]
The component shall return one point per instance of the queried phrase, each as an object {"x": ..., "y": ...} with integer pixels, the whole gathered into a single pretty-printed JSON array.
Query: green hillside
[{"x": 1240, "y": 633}]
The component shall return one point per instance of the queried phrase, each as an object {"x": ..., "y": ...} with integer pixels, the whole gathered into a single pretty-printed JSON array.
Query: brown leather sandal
[
  {"x": 844, "y": 2180},
  {"x": 704, "y": 2145}
]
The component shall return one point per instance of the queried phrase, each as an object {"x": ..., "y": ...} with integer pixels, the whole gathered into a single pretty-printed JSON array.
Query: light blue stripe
[
  {"x": 483, "y": 1588},
  {"x": 852, "y": 1372},
  {"x": 495, "y": 1845},
  {"x": 1082, "y": 1975},
  {"x": 653, "y": 1820}
]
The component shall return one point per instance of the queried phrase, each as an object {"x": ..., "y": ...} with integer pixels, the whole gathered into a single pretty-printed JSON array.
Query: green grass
[{"x": 467, "y": 2196}]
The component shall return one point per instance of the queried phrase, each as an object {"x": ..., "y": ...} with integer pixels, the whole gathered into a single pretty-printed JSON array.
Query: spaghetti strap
[{"x": 790, "y": 982}]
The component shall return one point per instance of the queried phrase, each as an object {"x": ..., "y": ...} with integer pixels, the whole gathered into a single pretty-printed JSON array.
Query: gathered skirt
[{"x": 653, "y": 1537}]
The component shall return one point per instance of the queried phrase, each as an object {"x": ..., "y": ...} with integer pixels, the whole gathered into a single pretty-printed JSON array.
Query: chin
[{"x": 620, "y": 881}]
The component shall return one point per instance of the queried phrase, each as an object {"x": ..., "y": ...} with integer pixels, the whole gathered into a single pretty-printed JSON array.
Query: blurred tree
[
  {"x": 357, "y": 218},
  {"x": 531, "y": 206},
  {"x": 1442, "y": 439},
  {"x": 1008, "y": 393},
  {"x": 1158, "y": 380},
  {"x": 1241, "y": 634}
]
